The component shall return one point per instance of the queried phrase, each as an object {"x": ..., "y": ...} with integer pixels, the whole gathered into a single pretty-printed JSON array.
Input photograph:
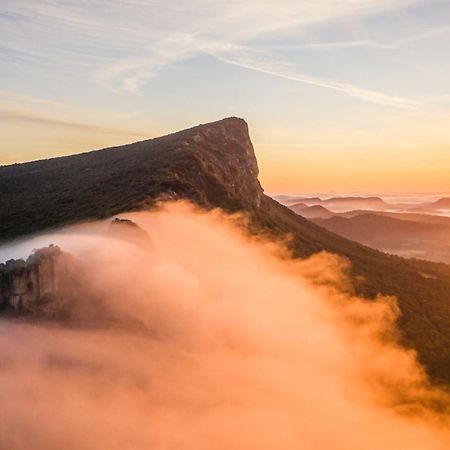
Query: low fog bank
[{"x": 215, "y": 341}]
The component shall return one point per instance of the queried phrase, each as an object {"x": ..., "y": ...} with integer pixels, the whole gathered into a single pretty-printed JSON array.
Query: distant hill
[
  {"x": 373, "y": 204},
  {"x": 289, "y": 200},
  {"x": 298, "y": 207},
  {"x": 404, "y": 237},
  {"x": 437, "y": 207},
  {"x": 348, "y": 203},
  {"x": 311, "y": 212},
  {"x": 443, "y": 203},
  {"x": 214, "y": 165},
  {"x": 423, "y": 236},
  {"x": 337, "y": 204},
  {"x": 413, "y": 217}
]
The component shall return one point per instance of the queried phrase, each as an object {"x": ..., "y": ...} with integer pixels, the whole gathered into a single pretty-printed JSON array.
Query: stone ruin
[
  {"x": 34, "y": 286},
  {"x": 48, "y": 282}
]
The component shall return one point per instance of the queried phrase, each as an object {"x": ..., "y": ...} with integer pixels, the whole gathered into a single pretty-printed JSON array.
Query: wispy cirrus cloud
[
  {"x": 260, "y": 63},
  {"x": 393, "y": 44},
  {"x": 138, "y": 39},
  {"x": 35, "y": 111},
  {"x": 132, "y": 74},
  {"x": 40, "y": 118},
  {"x": 340, "y": 44},
  {"x": 13, "y": 97}
]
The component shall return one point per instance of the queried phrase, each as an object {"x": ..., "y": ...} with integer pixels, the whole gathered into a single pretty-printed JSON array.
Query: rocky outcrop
[
  {"x": 229, "y": 158},
  {"x": 128, "y": 230},
  {"x": 34, "y": 286}
]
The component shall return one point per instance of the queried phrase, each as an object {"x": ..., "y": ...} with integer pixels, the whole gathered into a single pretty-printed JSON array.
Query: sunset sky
[{"x": 349, "y": 95}]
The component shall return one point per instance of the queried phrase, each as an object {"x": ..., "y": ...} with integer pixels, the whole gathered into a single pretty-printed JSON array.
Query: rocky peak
[{"x": 226, "y": 160}]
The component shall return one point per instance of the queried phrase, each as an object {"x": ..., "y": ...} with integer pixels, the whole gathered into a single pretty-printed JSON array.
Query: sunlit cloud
[
  {"x": 39, "y": 118},
  {"x": 249, "y": 350}
]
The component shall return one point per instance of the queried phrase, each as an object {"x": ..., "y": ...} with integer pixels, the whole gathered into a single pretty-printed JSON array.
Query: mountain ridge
[
  {"x": 214, "y": 165},
  {"x": 203, "y": 168}
]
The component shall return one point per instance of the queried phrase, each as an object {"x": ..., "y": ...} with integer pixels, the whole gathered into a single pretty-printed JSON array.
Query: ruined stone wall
[
  {"x": 50, "y": 282},
  {"x": 35, "y": 284}
]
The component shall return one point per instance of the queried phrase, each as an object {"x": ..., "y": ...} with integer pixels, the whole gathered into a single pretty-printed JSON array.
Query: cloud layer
[{"x": 213, "y": 340}]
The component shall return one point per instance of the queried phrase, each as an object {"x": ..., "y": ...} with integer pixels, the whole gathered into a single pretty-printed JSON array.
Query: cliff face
[
  {"x": 34, "y": 286},
  {"x": 227, "y": 162}
]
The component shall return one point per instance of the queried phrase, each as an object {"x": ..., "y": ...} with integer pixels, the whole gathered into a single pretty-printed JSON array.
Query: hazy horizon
[{"x": 409, "y": 197}]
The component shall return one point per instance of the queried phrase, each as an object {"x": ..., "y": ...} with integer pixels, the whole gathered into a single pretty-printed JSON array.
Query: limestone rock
[{"x": 34, "y": 286}]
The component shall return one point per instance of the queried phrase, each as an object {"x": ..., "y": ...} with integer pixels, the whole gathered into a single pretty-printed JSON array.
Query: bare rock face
[
  {"x": 34, "y": 287},
  {"x": 229, "y": 158}
]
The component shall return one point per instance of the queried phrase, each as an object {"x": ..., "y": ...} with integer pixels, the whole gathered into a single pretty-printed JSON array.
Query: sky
[{"x": 342, "y": 96}]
